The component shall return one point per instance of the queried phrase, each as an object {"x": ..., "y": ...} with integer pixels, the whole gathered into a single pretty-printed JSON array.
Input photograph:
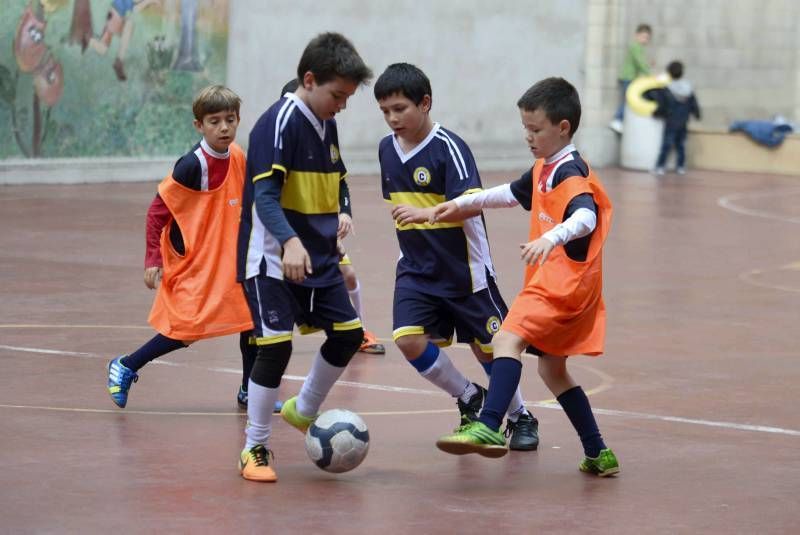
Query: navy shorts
[
  {"x": 474, "y": 318},
  {"x": 277, "y": 305}
]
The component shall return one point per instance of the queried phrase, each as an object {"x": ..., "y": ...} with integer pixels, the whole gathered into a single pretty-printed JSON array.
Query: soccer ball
[{"x": 337, "y": 441}]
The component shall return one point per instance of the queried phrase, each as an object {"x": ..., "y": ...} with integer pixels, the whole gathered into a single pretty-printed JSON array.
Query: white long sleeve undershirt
[{"x": 578, "y": 225}]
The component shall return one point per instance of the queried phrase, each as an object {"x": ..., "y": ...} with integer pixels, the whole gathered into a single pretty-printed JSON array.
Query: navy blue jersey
[
  {"x": 291, "y": 146},
  {"x": 443, "y": 259}
]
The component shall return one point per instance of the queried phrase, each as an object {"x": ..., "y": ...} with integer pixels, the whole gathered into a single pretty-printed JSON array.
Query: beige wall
[{"x": 480, "y": 56}]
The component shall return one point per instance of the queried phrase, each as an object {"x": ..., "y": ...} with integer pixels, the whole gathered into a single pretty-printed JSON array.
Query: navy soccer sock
[
  {"x": 157, "y": 346},
  {"x": 579, "y": 411},
  {"x": 503, "y": 383},
  {"x": 249, "y": 352}
]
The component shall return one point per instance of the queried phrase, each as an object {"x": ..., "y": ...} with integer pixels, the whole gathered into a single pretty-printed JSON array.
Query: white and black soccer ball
[{"x": 337, "y": 441}]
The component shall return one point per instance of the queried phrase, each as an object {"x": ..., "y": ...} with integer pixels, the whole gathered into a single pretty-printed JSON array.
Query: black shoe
[
  {"x": 524, "y": 433},
  {"x": 469, "y": 410}
]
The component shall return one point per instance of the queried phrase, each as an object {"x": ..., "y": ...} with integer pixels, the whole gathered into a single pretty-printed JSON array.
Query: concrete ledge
[
  {"x": 720, "y": 150},
  {"x": 83, "y": 170}
]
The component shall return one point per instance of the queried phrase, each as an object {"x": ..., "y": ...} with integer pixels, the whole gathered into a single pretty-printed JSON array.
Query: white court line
[
  {"x": 750, "y": 277},
  {"x": 729, "y": 202},
  {"x": 387, "y": 388}
]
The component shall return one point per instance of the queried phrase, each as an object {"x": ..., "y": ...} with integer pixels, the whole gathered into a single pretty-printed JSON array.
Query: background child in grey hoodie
[{"x": 676, "y": 103}]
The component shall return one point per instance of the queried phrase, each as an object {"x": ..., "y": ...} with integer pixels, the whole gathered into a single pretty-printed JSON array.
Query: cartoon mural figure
[
  {"x": 119, "y": 21},
  {"x": 45, "y": 46},
  {"x": 34, "y": 57}
]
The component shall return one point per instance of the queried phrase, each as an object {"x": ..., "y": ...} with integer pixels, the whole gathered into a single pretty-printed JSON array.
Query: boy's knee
[
  {"x": 271, "y": 362},
  {"x": 340, "y": 346},
  {"x": 412, "y": 345},
  {"x": 508, "y": 344}
]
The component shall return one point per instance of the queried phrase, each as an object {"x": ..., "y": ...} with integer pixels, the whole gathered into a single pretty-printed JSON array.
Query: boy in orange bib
[
  {"x": 192, "y": 228},
  {"x": 560, "y": 310}
]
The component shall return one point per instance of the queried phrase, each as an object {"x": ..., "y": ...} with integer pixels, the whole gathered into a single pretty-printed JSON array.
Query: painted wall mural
[{"x": 88, "y": 78}]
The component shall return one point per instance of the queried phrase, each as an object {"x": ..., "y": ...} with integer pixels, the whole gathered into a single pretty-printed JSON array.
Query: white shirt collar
[
  {"x": 211, "y": 152},
  {"x": 560, "y": 154},
  {"x": 404, "y": 157},
  {"x": 315, "y": 122}
]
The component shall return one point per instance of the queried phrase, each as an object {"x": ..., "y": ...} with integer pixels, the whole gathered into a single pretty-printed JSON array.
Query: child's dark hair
[
  {"x": 290, "y": 87},
  {"x": 404, "y": 79},
  {"x": 329, "y": 55},
  {"x": 675, "y": 70},
  {"x": 213, "y": 99},
  {"x": 557, "y": 98},
  {"x": 644, "y": 28}
]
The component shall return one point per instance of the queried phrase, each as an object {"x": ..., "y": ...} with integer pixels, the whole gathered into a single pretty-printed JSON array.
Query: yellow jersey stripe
[
  {"x": 420, "y": 200},
  {"x": 311, "y": 193},
  {"x": 269, "y": 173}
]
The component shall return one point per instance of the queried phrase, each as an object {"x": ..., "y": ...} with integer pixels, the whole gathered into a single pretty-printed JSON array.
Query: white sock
[
  {"x": 470, "y": 391},
  {"x": 260, "y": 403},
  {"x": 516, "y": 401},
  {"x": 315, "y": 388},
  {"x": 444, "y": 375},
  {"x": 355, "y": 298}
]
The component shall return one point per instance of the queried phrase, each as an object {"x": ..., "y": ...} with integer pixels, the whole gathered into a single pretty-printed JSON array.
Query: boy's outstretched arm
[
  {"x": 539, "y": 248},
  {"x": 577, "y": 225},
  {"x": 471, "y": 204}
]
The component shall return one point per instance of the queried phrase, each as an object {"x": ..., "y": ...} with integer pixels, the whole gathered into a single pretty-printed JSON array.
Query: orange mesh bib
[
  {"x": 560, "y": 309},
  {"x": 199, "y": 296}
]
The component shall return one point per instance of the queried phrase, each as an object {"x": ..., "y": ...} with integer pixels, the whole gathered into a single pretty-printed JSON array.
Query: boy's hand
[
  {"x": 443, "y": 212},
  {"x": 345, "y": 226},
  {"x": 151, "y": 276},
  {"x": 404, "y": 214},
  {"x": 296, "y": 262},
  {"x": 539, "y": 248}
]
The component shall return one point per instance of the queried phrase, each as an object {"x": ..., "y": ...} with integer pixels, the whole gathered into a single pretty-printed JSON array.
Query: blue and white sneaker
[
  {"x": 241, "y": 399},
  {"x": 119, "y": 381}
]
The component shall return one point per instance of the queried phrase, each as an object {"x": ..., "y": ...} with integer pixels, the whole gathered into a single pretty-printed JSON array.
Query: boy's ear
[
  {"x": 309, "y": 80},
  {"x": 198, "y": 125},
  {"x": 425, "y": 103},
  {"x": 563, "y": 127}
]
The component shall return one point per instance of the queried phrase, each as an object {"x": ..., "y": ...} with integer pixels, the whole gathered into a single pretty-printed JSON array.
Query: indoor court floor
[{"x": 697, "y": 393}]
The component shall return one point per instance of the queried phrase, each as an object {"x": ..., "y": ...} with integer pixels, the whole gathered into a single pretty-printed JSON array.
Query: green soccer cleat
[
  {"x": 604, "y": 465},
  {"x": 294, "y": 418},
  {"x": 474, "y": 437}
]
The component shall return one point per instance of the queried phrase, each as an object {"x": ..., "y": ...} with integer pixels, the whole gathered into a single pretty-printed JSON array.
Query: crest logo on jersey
[
  {"x": 422, "y": 176},
  {"x": 334, "y": 153},
  {"x": 493, "y": 325}
]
